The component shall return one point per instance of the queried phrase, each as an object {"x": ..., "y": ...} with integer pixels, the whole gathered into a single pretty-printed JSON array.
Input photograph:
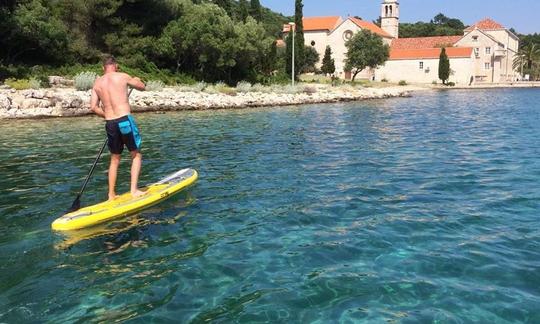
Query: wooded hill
[{"x": 207, "y": 40}]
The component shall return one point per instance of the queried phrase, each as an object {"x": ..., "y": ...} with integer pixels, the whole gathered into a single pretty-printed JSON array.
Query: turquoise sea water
[{"x": 422, "y": 209}]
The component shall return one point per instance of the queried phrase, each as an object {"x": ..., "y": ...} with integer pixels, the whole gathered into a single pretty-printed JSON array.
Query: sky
[{"x": 522, "y": 15}]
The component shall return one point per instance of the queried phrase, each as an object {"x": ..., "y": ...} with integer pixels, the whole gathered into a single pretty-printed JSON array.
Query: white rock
[
  {"x": 5, "y": 102},
  {"x": 32, "y": 103},
  {"x": 71, "y": 102}
]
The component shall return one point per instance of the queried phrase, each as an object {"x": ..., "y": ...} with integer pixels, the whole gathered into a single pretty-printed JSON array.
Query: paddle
[{"x": 77, "y": 202}]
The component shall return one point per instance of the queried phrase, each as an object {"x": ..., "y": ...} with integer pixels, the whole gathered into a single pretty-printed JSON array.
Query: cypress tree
[
  {"x": 298, "y": 41},
  {"x": 243, "y": 10},
  {"x": 444, "y": 66},
  {"x": 256, "y": 10},
  {"x": 270, "y": 60},
  {"x": 328, "y": 63}
]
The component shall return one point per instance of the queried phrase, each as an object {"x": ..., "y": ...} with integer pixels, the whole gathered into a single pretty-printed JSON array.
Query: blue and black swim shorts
[{"x": 123, "y": 131}]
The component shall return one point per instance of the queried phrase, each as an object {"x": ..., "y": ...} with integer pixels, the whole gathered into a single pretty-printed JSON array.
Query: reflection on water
[{"x": 420, "y": 209}]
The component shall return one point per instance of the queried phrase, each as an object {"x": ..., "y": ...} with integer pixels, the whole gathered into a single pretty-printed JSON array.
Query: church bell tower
[{"x": 390, "y": 17}]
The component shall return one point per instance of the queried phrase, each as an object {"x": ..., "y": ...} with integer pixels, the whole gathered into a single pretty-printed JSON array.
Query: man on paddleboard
[{"x": 111, "y": 90}]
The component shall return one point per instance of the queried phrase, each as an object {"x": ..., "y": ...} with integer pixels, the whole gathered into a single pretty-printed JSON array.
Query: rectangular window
[
  {"x": 487, "y": 66},
  {"x": 476, "y": 51},
  {"x": 488, "y": 50},
  {"x": 421, "y": 65},
  {"x": 475, "y": 38}
]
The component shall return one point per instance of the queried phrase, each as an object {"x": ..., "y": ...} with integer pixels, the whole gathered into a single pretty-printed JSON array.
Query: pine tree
[
  {"x": 256, "y": 10},
  {"x": 328, "y": 63},
  {"x": 444, "y": 66}
]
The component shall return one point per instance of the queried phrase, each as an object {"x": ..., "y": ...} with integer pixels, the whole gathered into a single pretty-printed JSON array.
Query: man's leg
[
  {"x": 113, "y": 171},
  {"x": 136, "y": 163}
]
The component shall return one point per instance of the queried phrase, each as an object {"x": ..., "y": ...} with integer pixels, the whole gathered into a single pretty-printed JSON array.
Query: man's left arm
[{"x": 94, "y": 104}]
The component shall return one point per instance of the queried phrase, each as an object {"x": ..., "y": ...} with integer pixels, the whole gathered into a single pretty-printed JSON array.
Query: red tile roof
[
  {"x": 424, "y": 42},
  {"x": 429, "y": 53},
  {"x": 321, "y": 23},
  {"x": 370, "y": 26},
  {"x": 486, "y": 24}
]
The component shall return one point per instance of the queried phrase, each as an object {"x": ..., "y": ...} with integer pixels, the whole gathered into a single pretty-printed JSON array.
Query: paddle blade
[{"x": 75, "y": 206}]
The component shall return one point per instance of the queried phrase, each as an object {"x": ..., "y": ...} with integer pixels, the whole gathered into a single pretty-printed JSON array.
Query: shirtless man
[{"x": 111, "y": 91}]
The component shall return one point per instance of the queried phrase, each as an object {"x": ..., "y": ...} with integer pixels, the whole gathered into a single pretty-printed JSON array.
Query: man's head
[{"x": 109, "y": 64}]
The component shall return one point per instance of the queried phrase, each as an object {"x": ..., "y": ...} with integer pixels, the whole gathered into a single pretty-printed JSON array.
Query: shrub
[
  {"x": 200, "y": 86},
  {"x": 260, "y": 88},
  {"x": 279, "y": 78},
  {"x": 451, "y": 84},
  {"x": 384, "y": 80},
  {"x": 402, "y": 83},
  {"x": 310, "y": 90},
  {"x": 154, "y": 85},
  {"x": 243, "y": 87},
  {"x": 211, "y": 89},
  {"x": 21, "y": 84},
  {"x": 434, "y": 82},
  {"x": 85, "y": 80},
  {"x": 336, "y": 81},
  {"x": 221, "y": 87},
  {"x": 290, "y": 89},
  {"x": 34, "y": 83},
  {"x": 228, "y": 91}
]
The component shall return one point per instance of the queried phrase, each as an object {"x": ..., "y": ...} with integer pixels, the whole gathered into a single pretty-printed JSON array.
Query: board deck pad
[{"x": 125, "y": 204}]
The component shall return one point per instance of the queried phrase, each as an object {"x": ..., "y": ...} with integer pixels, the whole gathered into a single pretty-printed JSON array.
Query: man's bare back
[{"x": 111, "y": 91}]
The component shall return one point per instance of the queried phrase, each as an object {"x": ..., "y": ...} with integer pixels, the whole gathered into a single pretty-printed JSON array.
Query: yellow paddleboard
[{"x": 125, "y": 204}]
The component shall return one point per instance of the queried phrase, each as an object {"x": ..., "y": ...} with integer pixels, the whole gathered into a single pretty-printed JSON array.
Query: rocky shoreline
[{"x": 66, "y": 102}]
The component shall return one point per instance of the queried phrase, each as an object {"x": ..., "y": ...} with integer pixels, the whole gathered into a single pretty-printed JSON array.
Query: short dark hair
[{"x": 109, "y": 60}]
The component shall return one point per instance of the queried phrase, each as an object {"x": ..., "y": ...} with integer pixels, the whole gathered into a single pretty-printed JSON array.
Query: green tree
[
  {"x": 440, "y": 19},
  {"x": 328, "y": 63},
  {"x": 270, "y": 60},
  {"x": 365, "y": 50},
  {"x": 256, "y": 11},
  {"x": 444, "y": 66},
  {"x": 440, "y": 25},
  {"x": 35, "y": 35},
  {"x": 208, "y": 44},
  {"x": 225, "y": 4},
  {"x": 311, "y": 57}
]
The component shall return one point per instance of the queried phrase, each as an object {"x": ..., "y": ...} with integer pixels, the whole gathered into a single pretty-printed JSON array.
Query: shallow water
[{"x": 423, "y": 209}]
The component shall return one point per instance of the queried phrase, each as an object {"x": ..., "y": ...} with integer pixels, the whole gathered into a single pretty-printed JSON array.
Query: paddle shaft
[{"x": 92, "y": 169}]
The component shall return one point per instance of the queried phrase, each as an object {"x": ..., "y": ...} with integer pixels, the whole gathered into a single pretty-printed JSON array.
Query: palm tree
[{"x": 527, "y": 57}]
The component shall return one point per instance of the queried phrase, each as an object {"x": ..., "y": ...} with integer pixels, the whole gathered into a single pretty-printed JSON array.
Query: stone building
[{"x": 483, "y": 54}]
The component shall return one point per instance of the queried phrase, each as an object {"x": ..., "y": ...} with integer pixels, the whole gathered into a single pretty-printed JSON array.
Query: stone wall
[{"x": 68, "y": 102}]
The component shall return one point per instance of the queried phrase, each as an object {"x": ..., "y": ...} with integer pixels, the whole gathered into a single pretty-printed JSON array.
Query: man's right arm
[
  {"x": 136, "y": 83},
  {"x": 94, "y": 104}
]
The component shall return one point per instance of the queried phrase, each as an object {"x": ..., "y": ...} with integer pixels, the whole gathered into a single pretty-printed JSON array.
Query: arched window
[
  {"x": 391, "y": 11},
  {"x": 386, "y": 11}
]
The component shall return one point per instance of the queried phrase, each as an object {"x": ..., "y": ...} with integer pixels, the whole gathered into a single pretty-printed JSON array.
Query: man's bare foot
[
  {"x": 137, "y": 193},
  {"x": 112, "y": 197}
]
